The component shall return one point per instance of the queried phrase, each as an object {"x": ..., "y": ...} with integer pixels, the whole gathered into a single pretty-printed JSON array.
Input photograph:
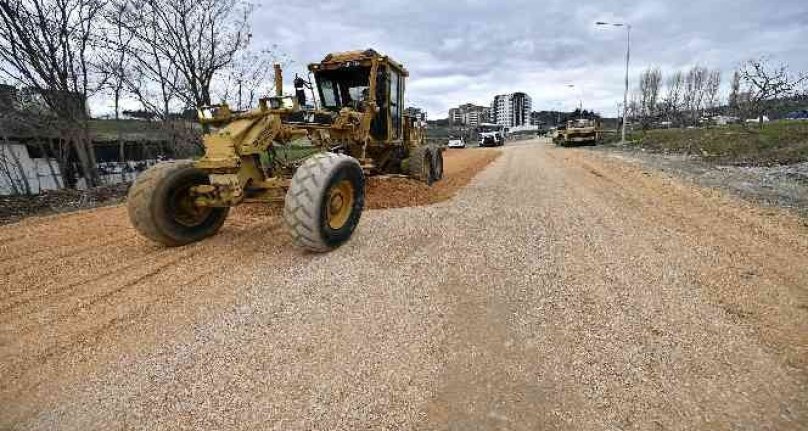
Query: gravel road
[{"x": 561, "y": 289}]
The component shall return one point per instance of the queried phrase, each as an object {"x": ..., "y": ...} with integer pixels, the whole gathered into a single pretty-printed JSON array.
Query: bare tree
[
  {"x": 45, "y": 45},
  {"x": 193, "y": 40},
  {"x": 249, "y": 76},
  {"x": 711, "y": 90},
  {"x": 151, "y": 77},
  {"x": 115, "y": 63},
  {"x": 649, "y": 87},
  {"x": 179, "y": 52},
  {"x": 763, "y": 84},
  {"x": 734, "y": 93},
  {"x": 672, "y": 101},
  {"x": 694, "y": 92}
]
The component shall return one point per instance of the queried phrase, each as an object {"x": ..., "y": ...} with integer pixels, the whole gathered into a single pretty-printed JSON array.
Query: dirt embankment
[{"x": 16, "y": 208}]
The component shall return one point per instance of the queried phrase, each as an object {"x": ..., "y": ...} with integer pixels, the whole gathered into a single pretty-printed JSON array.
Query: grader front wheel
[
  {"x": 162, "y": 208},
  {"x": 324, "y": 201}
]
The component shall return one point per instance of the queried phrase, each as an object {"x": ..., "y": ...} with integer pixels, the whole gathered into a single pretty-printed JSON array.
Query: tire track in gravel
[
  {"x": 58, "y": 287},
  {"x": 101, "y": 292}
]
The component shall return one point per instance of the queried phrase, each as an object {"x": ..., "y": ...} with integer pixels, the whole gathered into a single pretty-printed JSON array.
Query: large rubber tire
[
  {"x": 310, "y": 199},
  {"x": 421, "y": 161},
  {"x": 437, "y": 164},
  {"x": 155, "y": 209}
]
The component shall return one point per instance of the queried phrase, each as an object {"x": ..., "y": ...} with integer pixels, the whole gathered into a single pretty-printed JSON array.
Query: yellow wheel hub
[
  {"x": 340, "y": 203},
  {"x": 186, "y": 212}
]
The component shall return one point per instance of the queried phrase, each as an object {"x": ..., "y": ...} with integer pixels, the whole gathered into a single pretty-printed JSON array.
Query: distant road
[{"x": 562, "y": 289}]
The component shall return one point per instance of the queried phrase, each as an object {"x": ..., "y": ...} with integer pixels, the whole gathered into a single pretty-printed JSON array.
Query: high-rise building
[
  {"x": 511, "y": 110},
  {"x": 469, "y": 114}
]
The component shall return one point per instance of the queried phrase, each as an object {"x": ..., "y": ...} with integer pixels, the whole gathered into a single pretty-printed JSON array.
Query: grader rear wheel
[
  {"x": 324, "y": 201},
  {"x": 162, "y": 208},
  {"x": 421, "y": 162},
  {"x": 437, "y": 164}
]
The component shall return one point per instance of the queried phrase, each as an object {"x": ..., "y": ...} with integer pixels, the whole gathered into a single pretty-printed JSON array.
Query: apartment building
[
  {"x": 469, "y": 114},
  {"x": 511, "y": 110}
]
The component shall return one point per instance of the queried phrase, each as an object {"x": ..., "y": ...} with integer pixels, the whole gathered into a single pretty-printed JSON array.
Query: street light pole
[
  {"x": 625, "y": 92},
  {"x": 628, "y": 56}
]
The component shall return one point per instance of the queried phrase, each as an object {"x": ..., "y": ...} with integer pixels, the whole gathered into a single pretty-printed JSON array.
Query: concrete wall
[
  {"x": 39, "y": 174},
  {"x": 35, "y": 170}
]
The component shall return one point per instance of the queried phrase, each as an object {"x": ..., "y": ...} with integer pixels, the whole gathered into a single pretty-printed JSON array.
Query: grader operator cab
[{"x": 359, "y": 129}]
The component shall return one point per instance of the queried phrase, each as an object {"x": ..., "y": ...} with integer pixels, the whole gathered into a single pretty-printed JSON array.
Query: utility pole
[{"x": 628, "y": 56}]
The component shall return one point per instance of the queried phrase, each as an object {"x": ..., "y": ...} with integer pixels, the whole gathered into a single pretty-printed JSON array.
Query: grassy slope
[
  {"x": 781, "y": 142},
  {"x": 107, "y": 130}
]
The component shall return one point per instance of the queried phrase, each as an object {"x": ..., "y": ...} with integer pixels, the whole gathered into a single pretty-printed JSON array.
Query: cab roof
[{"x": 336, "y": 60}]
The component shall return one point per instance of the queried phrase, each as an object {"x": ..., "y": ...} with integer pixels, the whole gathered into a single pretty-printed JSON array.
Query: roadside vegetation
[
  {"x": 687, "y": 114},
  {"x": 779, "y": 143}
]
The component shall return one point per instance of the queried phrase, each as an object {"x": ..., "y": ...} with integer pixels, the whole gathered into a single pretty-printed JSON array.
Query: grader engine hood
[{"x": 255, "y": 131}]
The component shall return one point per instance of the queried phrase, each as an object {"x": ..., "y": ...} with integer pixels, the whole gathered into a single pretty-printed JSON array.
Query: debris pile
[{"x": 17, "y": 207}]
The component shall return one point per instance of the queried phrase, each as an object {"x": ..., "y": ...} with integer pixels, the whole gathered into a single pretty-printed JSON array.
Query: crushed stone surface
[
  {"x": 784, "y": 186},
  {"x": 560, "y": 289}
]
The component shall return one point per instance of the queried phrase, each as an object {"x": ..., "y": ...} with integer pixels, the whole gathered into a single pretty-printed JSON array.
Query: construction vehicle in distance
[
  {"x": 358, "y": 129},
  {"x": 579, "y": 131}
]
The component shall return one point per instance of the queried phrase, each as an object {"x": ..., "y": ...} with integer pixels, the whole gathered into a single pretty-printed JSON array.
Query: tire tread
[
  {"x": 140, "y": 200},
  {"x": 301, "y": 207}
]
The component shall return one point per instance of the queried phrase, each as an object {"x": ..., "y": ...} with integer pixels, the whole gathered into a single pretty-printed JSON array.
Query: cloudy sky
[{"x": 461, "y": 51}]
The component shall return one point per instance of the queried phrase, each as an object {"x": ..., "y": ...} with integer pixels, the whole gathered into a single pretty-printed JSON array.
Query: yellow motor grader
[
  {"x": 358, "y": 129},
  {"x": 579, "y": 131}
]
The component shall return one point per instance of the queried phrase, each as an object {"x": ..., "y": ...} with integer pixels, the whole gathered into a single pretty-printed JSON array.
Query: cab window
[{"x": 347, "y": 87}]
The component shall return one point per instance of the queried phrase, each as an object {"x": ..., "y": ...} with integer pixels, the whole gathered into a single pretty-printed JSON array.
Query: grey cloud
[{"x": 459, "y": 51}]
